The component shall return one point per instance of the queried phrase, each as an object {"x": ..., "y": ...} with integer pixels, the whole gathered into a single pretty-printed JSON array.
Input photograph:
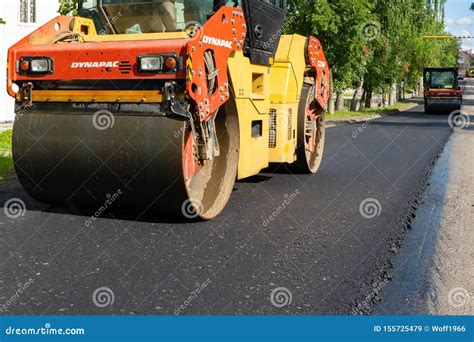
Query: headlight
[
  {"x": 39, "y": 65},
  {"x": 35, "y": 65},
  {"x": 151, "y": 63},
  {"x": 167, "y": 63}
]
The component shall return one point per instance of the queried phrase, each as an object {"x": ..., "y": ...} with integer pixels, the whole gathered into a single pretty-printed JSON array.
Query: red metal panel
[
  {"x": 84, "y": 61},
  {"x": 318, "y": 61},
  {"x": 224, "y": 34}
]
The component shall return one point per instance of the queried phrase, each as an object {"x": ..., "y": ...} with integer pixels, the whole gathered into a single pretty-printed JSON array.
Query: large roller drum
[{"x": 87, "y": 154}]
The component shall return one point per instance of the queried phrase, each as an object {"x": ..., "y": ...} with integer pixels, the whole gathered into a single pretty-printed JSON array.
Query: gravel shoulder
[
  {"x": 433, "y": 274},
  {"x": 452, "y": 272}
]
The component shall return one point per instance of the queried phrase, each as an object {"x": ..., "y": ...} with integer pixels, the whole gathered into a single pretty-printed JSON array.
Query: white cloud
[
  {"x": 464, "y": 21},
  {"x": 460, "y": 32},
  {"x": 449, "y": 21},
  {"x": 468, "y": 45}
]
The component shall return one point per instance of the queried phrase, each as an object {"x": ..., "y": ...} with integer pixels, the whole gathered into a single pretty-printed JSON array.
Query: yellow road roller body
[{"x": 166, "y": 113}]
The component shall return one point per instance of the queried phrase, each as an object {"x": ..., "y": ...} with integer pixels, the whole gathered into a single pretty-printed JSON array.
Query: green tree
[
  {"x": 337, "y": 23},
  {"x": 378, "y": 44},
  {"x": 399, "y": 57},
  {"x": 68, "y": 7},
  {"x": 437, "y": 7},
  {"x": 400, "y": 24},
  {"x": 2, "y": 21}
]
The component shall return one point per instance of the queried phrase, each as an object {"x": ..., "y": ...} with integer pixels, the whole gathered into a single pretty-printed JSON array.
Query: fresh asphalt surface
[{"x": 319, "y": 246}]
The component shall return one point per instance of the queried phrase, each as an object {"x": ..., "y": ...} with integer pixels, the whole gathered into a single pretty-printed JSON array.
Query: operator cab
[
  {"x": 145, "y": 16},
  {"x": 265, "y": 18},
  {"x": 441, "y": 78}
]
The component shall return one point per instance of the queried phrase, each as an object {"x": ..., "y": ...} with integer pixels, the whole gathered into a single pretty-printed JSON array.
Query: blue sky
[{"x": 460, "y": 20}]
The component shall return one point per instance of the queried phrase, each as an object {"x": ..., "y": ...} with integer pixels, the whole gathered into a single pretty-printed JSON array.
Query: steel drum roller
[{"x": 61, "y": 157}]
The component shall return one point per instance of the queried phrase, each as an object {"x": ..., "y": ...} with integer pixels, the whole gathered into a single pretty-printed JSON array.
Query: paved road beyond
[{"x": 327, "y": 253}]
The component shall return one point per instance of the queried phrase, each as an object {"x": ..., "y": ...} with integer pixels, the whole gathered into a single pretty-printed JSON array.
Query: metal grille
[
  {"x": 290, "y": 124},
  {"x": 273, "y": 128},
  {"x": 125, "y": 67}
]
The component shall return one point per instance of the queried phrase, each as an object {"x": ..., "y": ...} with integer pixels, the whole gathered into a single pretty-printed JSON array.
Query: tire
[
  {"x": 308, "y": 162},
  {"x": 428, "y": 108}
]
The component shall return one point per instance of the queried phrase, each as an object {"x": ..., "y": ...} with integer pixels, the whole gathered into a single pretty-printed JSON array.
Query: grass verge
[
  {"x": 345, "y": 114},
  {"x": 6, "y": 162}
]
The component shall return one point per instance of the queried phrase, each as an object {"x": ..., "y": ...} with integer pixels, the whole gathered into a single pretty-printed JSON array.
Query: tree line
[{"x": 375, "y": 46}]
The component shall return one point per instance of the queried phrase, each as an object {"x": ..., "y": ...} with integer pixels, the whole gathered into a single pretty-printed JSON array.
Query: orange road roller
[
  {"x": 166, "y": 103},
  {"x": 442, "y": 93}
]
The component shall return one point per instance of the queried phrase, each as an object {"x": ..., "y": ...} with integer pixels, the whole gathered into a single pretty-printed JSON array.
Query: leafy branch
[
  {"x": 68, "y": 7},
  {"x": 375, "y": 46}
]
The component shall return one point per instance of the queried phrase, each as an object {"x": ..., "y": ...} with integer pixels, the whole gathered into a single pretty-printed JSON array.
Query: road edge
[{"x": 360, "y": 119}]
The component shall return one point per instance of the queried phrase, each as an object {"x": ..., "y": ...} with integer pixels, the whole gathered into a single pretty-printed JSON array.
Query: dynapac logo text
[
  {"x": 217, "y": 42},
  {"x": 76, "y": 65}
]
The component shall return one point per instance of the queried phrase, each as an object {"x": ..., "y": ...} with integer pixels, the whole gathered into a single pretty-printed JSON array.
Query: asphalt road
[{"x": 318, "y": 246}]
